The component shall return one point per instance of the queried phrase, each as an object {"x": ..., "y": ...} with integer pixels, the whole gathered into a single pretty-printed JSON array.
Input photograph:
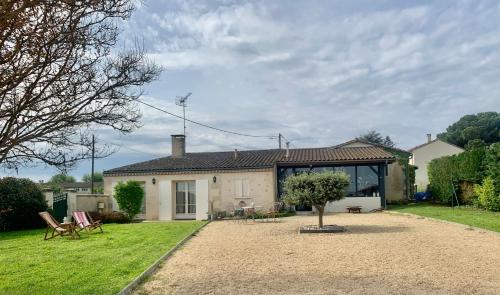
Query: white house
[
  {"x": 191, "y": 185},
  {"x": 424, "y": 153}
]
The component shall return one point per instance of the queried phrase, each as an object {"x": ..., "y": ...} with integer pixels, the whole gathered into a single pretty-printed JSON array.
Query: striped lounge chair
[
  {"x": 85, "y": 222},
  {"x": 57, "y": 228}
]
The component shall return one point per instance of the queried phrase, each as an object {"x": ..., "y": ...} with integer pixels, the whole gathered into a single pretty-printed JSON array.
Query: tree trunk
[{"x": 321, "y": 210}]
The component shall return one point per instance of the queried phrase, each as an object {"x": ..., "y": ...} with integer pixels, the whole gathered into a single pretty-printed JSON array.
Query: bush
[
  {"x": 20, "y": 201},
  {"x": 110, "y": 217},
  {"x": 129, "y": 196},
  {"x": 488, "y": 197},
  {"x": 466, "y": 193}
]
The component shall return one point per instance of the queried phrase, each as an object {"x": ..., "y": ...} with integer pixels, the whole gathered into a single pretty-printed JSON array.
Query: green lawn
[
  {"x": 94, "y": 264},
  {"x": 470, "y": 216}
]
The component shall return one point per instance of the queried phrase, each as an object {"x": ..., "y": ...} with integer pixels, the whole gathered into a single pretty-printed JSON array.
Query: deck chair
[
  {"x": 272, "y": 213},
  {"x": 84, "y": 221},
  {"x": 57, "y": 228}
]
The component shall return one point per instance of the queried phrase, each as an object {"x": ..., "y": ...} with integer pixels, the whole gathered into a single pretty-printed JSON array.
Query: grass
[
  {"x": 465, "y": 215},
  {"x": 97, "y": 263}
]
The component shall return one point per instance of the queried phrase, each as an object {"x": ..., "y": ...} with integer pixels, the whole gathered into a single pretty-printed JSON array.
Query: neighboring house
[
  {"x": 191, "y": 185},
  {"x": 424, "y": 153},
  {"x": 73, "y": 187}
]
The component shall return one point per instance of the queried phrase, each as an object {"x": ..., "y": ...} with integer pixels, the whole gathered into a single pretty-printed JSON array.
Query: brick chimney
[
  {"x": 429, "y": 137},
  {"x": 178, "y": 145}
]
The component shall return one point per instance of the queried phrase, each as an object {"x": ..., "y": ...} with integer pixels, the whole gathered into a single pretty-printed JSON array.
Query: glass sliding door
[{"x": 185, "y": 200}]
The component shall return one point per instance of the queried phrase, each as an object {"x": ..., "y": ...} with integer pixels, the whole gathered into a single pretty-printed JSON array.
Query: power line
[
  {"x": 205, "y": 125},
  {"x": 135, "y": 150}
]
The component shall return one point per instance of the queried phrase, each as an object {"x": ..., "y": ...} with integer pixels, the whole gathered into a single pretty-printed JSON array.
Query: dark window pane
[{"x": 368, "y": 181}]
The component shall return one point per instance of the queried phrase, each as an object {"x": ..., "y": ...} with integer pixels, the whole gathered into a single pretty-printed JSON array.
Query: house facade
[
  {"x": 423, "y": 154},
  {"x": 192, "y": 185}
]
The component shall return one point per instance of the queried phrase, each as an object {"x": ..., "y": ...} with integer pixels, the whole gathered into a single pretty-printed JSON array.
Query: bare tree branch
[{"x": 59, "y": 78}]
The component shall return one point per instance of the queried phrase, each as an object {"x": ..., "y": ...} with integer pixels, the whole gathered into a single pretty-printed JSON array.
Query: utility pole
[
  {"x": 279, "y": 140},
  {"x": 181, "y": 101},
  {"x": 92, "y": 172}
]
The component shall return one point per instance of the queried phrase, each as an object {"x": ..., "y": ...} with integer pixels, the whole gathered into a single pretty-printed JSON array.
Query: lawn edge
[
  {"x": 140, "y": 278},
  {"x": 466, "y": 226}
]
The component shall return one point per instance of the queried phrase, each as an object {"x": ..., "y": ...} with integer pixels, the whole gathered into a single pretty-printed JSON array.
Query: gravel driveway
[{"x": 380, "y": 254}]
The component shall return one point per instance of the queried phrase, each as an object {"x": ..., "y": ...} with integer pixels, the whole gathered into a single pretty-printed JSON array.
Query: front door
[{"x": 185, "y": 200}]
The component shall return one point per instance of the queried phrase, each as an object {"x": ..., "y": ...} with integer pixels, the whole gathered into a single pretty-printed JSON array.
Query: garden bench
[{"x": 354, "y": 209}]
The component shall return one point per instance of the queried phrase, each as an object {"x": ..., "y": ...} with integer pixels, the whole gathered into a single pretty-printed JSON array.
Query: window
[
  {"x": 242, "y": 188},
  {"x": 367, "y": 181},
  {"x": 351, "y": 171},
  {"x": 364, "y": 179}
]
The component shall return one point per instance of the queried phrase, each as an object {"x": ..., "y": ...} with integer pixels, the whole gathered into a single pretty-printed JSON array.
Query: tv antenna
[{"x": 181, "y": 101}]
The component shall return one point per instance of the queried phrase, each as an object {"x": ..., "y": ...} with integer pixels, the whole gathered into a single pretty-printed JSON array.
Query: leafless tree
[{"x": 61, "y": 77}]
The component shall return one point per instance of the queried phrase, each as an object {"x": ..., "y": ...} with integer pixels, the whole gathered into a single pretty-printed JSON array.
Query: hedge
[{"x": 465, "y": 167}]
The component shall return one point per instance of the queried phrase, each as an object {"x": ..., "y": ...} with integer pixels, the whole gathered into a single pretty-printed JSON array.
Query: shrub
[
  {"x": 129, "y": 196},
  {"x": 488, "y": 198},
  {"x": 20, "y": 201},
  {"x": 466, "y": 193},
  {"x": 316, "y": 189},
  {"x": 110, "y": 217}
]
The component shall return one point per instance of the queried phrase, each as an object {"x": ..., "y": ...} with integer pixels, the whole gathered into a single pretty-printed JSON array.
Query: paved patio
[{"x": 380, "y": 254}]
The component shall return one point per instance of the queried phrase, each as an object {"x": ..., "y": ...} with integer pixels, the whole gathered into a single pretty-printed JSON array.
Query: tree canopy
[
  {"x": 61, "y": 178},
  {"x": 97, "y": 177},
  {"x": 61, "y": 77},
  {"x": 377, "y": 138},
  {"x": 472, "y": 130}
]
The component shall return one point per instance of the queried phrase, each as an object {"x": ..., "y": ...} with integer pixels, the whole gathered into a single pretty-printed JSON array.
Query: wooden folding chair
[
  {"x": 273, "y": 211},
  {"x": 57, "y": 228},
  {"x": 85, "y": 222}
]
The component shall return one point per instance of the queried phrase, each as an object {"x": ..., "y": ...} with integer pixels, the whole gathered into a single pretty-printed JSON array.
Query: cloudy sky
[{"x": 320, "y": 72}]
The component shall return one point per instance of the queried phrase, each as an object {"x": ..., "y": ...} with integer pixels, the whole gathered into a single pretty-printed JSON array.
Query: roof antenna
[{"x": 181, "y": 101}]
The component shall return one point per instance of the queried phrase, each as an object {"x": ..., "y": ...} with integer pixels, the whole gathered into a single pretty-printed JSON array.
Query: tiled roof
[
  {"x": 255, "y": 159},
  {"x": 370, "y": 143}
]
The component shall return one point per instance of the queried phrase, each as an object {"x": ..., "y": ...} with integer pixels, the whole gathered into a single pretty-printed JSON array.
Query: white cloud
[{"x": 319, "y": 72}]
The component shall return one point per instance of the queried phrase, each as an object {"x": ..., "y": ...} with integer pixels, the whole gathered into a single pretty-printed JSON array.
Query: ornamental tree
[
  {"x": 316, "y": 189},
  {"x": 129, "y": 196}
]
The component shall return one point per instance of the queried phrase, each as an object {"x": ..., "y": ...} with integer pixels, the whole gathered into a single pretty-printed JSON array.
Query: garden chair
[
  {"x": 273, "y": 211},
  {"x": 57, "y": 228},
  {"x": 249, "y": 212},
  {"x": 85, "y": 222}
]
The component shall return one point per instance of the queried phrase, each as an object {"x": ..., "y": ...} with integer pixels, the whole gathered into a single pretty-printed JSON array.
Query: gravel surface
[{"x": 379, "y": 254}]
